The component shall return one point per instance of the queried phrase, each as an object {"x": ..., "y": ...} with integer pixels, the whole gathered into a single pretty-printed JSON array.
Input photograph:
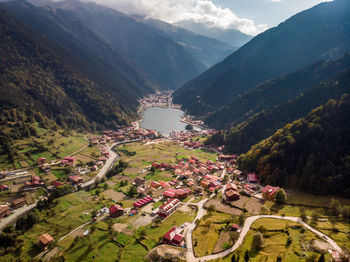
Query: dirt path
[{"x": 246, "y": 227}]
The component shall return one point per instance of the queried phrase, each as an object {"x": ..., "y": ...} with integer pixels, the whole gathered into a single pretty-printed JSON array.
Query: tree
[
  {"x": 281, "y": 197},
  {"x": 258, "y": 241},
  {"x": 321, "y": 258},
  {"x": 345, "y": 211},
  {"x": 334, "y": 207},
  {"x": 189, "y": 127},
  {"x": 241, "y": 219},
  {"x": 246, "y": 256},
  {"x": 333, "y": 221},
  {"x": 303, "y": 214},
  {"x": 211, "y": 209},
  {"x": 315, "y": 217},
  {"x": 233, "y": 258},
  {"x": 264, "y": 210},
  {"x": 132, "y": 191}
]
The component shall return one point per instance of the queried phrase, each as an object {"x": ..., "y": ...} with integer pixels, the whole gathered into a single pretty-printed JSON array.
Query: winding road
[{"x": 245, "y": 229}]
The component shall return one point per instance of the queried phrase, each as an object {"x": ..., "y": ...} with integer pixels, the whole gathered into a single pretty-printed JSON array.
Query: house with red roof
[
  {"x": 164, "y": 184},
  {"x": 174, "y": 237},
  {"x": 234, "y": 227},
  {"x": 75, "y": 179},
  {"x": 155, "y": 184},
  {"x": 170, "y": 193},
  {"x": 4, "y": 211},
  {"x": 155, "y": 165},
  {"x": 45, "y": 239},
  {"x": 4, "y": 187},
  {"x": 253, "y": 178},
  {"x": 205, "y": 183},
  {"x": 41, "y": 161},
  {"x": 57, "y": 183},
  {"x": 231, "y": 195},
  {"x": 190, "y": 183},
  {"x": 116, "y": 211},
  {"x": 183, "y": 193},
  {"x": 142, "y": 202},
  {"x": 168, "y": 208},
  {"x": 20, "y": 202},
  {"x": 269, "y": 192},
  {"x": 68, "y": 161}
]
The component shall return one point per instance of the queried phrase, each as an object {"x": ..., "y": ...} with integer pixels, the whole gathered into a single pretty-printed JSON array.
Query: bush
[{"x": 258, "y": 241}]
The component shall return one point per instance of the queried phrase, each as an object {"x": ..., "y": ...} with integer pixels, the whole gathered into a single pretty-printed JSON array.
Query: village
[{"x": 158, "y": 192}]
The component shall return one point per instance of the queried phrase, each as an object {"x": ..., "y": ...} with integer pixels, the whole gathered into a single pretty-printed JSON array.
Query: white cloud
[{"x": 173, "y": 11}]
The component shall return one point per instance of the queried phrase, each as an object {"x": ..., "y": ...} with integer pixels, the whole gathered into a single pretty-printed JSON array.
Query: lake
[{"x": 163, "y": 120}]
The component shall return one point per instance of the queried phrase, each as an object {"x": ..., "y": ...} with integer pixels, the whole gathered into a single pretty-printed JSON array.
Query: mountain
[
  {"x": 161, "y": 58},
  {"x": 208, "y": 51},
  {"x": 40, "y": 81},
  {"x": 322, "y": 32},
  {"x": 311, "y": 153},
  {"x": 277, "y": 91},
  {"x": 232, "y": 37},
  {"x": 241, "y": 137},
  {"x": 66, "y": 31}
]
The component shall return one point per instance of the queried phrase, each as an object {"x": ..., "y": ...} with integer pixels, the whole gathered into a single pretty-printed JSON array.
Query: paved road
[
  {"x": 4, "y": 222},
  {"x": 247, "y": 224},
  {"x": 113, "y": 157},
  {"x": 188, "y": 238}
]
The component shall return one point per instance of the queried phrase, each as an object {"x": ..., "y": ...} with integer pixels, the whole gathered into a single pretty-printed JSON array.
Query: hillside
[
  {"x": 312, "y": 153},
  {"x": 241, "y": 137},
  {"x": 277, "y": 91},
  {"x": 40, "y": 82},
  {"x": 322, "y": 32},
  {"x": 208, "y": 51},
  {"x": 161, "y": 58},
  {"x": 91, "y": 53}
]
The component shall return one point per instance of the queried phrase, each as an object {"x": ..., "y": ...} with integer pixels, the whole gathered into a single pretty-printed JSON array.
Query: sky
[{"x": 248, "y": 16}]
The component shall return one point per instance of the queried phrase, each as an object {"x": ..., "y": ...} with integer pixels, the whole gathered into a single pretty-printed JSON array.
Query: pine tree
[
  {"x": 321, "y": 258},
  {"x": 246, "y": 256}
]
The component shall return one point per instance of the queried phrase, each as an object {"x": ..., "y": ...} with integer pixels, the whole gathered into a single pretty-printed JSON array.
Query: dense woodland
[
  {"x": 38, "y": 77},
  {"x": 277, "y": 91},
  {"x": 241, "y": 137},
  {"x": 312, "y": 153}
]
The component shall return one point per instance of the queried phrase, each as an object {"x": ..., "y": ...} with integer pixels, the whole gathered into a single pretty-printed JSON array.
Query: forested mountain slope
[
  {"x": 312, "y": 153},
  {"x": 322, "y": 32},
  {"x": 277, "y": 91},
  {"x": 160, "y": 57},
  {"x": 40, "y": 81},
  {"x": 208, "y": 51},
  {"x": 241, "y": 137},
  {"x": 96, "y": 57}
]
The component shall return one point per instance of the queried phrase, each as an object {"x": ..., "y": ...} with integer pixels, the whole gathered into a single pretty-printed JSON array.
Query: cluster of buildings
[
  {"x": 6, "y": 210},
  {"x": 182, "y": 136},
  {"x": 175, "y": 237},
  {"x": 128, "y": 133},
  {"x": 159, "y": 99}
]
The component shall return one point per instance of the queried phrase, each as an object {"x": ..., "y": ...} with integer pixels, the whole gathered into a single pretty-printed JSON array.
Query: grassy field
[
  {"x": 160, "y": 176},
  {"x": 207, "y": 233},
  {"x": 95, "y": 247},
  {"x": 153, "y": 234},
  {"x": 50, "y": 144},
  {"x": 313, "y": 200},
  {"x": 275, "y": 240},
  {"x": 167, "y": 152},
  {"x": 341, "y": 235},
  {"x": 54, "y": 221}
]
